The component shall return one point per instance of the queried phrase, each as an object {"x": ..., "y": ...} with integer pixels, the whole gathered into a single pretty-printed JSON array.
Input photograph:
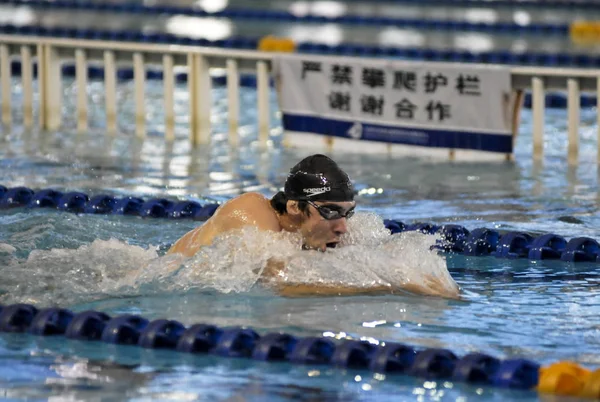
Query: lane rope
[
  {"x": 453, "y": 238},
  {"x": 564, "y": 378}
]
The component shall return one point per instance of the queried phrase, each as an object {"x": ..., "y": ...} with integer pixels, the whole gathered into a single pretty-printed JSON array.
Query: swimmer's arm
[
  {"x": 307, "y": 289},
  {"x": 273, "y": 273},
  {"x": 272, "y": 277}
]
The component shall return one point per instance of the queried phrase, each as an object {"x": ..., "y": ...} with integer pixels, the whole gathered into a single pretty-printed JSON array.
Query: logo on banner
[{"x": 356, "y": 131}]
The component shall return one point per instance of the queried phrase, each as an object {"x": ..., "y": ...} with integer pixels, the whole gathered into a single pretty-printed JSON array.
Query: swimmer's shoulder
[
  {"x": 246, "y": 201},
  {"x": 248, "y": 209}
]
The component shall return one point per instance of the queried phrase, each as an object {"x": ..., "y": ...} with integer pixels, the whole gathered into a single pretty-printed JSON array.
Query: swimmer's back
[{"x": 249, "y": 209}]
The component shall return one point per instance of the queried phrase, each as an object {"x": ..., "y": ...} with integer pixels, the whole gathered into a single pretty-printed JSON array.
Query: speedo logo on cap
[{"x": 316, "y": 191}]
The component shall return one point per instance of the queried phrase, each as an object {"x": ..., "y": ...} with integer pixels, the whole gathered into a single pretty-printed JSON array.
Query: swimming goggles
[{"x": 330, "y": 213}]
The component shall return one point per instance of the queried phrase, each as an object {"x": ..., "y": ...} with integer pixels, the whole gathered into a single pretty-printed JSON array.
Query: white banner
[{"x": 428, "y": 104}]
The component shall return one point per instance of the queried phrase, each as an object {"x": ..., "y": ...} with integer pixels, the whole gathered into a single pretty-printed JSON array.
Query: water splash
[
  {"x": 368, "y": 256},
  {"x": 62, "y": 276}
]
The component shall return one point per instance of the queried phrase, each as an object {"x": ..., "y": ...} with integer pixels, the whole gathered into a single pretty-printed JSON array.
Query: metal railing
[
  {"x": 574, "y": 81},
  {"x": 50, "y": 53}
]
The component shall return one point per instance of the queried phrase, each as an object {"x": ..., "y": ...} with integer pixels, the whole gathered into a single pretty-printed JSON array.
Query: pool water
[{"x": 543, "y": 311}]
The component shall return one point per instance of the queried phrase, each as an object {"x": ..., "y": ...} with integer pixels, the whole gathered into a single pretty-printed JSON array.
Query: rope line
[
  {"x": 453, "y": 238},
  {"x": 565, "y": 378},
  {"x": 285, "y": 16},
  {"x": 529, "y": 58}
]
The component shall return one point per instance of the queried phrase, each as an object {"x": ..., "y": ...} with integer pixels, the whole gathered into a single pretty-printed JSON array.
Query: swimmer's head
[
  {"x": 317, "y": 200},
  {"x": 318, "y": 178}
]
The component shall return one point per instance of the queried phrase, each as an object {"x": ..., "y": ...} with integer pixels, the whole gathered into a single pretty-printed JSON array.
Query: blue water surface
[{"x": 544, "y": 311}]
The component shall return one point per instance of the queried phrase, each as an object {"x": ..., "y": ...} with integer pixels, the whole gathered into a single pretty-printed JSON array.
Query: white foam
[
  {"x": 7, "y": 248},
  {"x": 58, "y": 276},
  {"x": 367, "y": 256}
]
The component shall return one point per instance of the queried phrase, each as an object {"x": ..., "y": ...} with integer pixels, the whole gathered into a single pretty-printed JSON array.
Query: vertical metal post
[
  {"x": 42, "y": 78},
  {"x": 205, "y": 100},
  {"x": 5, "y": 78},
  {"x": 81, "y": 82},
  {"x": 139, "y": 78},
  {"x": 110, "y": 90},
  {"x": 169, "y": 94},
  {"x": 233, "y": 101},
  {"x": 573, "y": 105},
  {"x": 538, "y": 105},
  {"x": 27, "y": 81},
  {"x": 200, "y": 87},
  {"x": 262, "y": 87},
  {"x": 53, "y": 89},
  {"x": 191, "y": 63}
]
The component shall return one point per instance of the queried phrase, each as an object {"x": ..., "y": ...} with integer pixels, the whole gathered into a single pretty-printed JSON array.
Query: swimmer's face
[{"x": 326, "y": 223}]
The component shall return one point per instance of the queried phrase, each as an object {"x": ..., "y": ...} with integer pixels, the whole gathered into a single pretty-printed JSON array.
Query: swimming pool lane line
[
  {"x": 388, "y": 358},
  {"x": 496, "y": 4},
  {"x": 453, "y": 238},
  {"x": 262, "y": 15},
  {"x": 504, "y": 57}
]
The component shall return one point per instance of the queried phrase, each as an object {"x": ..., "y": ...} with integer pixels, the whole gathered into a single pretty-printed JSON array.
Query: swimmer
[{"x": 317, "y": 201}]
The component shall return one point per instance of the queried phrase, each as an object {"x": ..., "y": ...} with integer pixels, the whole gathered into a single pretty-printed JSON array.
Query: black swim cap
[{"x": 318, "y": 178}]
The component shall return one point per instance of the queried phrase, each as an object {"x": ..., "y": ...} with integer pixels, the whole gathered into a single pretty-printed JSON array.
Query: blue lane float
[
  {"x": 488, "y": 242},
  {"x": 238, "y": 342},
  {"x": 73, "y": 202},
  {"x": 547, "y": 247},
  {"x": 277, "y": 16},
  {"x": 477, "y": 368},
  {"x": 481, "y": 241},
  {"x": 17, "y": 317},
  {"x": 128, "y": 206},
  {"x": 393, "y": 358},
  {"x": 513, "y": 245},
  {"x": 165, "y": 9},
  {"x": 78, "y": 202},
  {"x": 16, "y": 197},
  {"x": 453, "y": 238},
  {"x": 51, "y": 321},
  {"x": 45, "y": 199},
  {"x": 581, "y": 249},
  {"x": 531, "y": 4},
  {"x": 124, "y": 330},
  {"x": 87, "y": 326},
  {"x": 274, "y": 347},
  {"x": 313, "y": 350},
  {"x": 199, "y": 338}
]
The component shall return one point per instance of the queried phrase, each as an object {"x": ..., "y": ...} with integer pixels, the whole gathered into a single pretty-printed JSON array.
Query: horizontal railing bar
[
  {"x": 139, "y": 47},
  {"x": 553, "y": 82},
  {"x": 554, "y": 72},
  {"x": 554, "y": 78}
]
